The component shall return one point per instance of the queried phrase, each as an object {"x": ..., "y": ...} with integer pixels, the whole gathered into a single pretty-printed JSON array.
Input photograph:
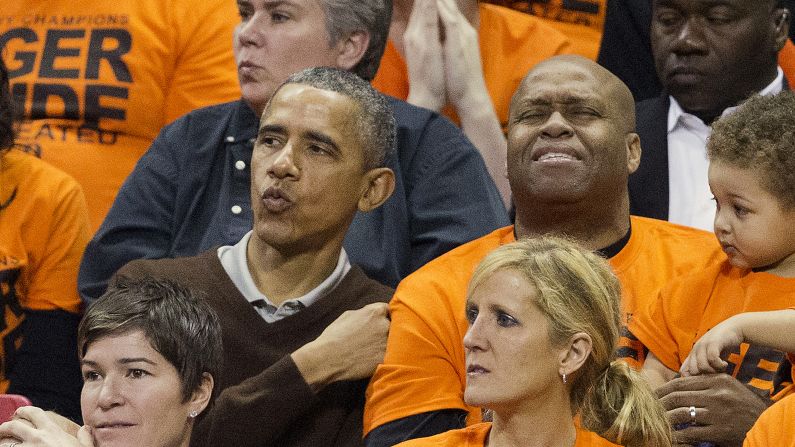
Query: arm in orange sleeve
[
  {"x": 53, "y": 281},
  {"x": 651, "y": 325},
  {"x": 204, "y": 72},
  {"x": 45, "y": 368},
  {"x": 774, "y": 427},
  {"x": 423, "y": 370},
  {"x": 773, "y": 329}
]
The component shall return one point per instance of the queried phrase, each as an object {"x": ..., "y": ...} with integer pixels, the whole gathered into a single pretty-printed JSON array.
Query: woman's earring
[
  {"x": 193, "y": 414},
  {"x": 564, "y": 377}
]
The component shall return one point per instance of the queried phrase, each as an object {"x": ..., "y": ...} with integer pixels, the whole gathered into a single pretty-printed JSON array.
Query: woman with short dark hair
[{"x": 149, "y": 351}]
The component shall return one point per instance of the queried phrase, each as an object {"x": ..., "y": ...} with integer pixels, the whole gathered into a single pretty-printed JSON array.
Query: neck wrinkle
[
  {"x": 281, "y": 276},
  {"x": 592, "y": 227}
]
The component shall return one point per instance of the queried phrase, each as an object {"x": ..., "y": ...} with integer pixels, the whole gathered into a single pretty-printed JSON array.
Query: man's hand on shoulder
[
  {"x": 725, "y": 408},
  {"x": 348, "y": 349}
]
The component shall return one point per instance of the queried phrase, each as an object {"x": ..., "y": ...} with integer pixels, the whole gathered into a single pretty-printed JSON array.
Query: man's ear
[
  {"x": 633, "y": 152},
  {"x": 351, "y": 49},
  {"x": 378, "y": 186},
  {"x": 201, "y": 397},
  {"x": 575, "y": 353}
]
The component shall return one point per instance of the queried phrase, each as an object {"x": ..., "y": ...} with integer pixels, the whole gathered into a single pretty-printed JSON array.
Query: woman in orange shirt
[{"x": 543, "y": 326}]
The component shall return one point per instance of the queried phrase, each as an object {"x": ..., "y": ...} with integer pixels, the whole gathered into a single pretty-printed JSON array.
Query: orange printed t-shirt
[
  {"x": 690, "y": 306},
  {"x": 775, "y": 427},
  {"x": 43, "y": 231},
  {"x": 475, "y": 436},
  {"x": 424, "y": 367},
  {"x": 96, "y": 80},
  {"x": 511, "y": 43}
]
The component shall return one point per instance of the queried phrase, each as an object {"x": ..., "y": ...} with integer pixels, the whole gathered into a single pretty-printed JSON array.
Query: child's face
[{"x": 750, "y": 223}]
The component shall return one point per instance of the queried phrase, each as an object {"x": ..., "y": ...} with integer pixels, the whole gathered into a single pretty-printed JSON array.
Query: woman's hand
[{"x": 33, "y": 427}]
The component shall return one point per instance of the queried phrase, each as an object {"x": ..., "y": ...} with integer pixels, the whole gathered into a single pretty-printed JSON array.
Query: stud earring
[{"x": 193, "y": 414}]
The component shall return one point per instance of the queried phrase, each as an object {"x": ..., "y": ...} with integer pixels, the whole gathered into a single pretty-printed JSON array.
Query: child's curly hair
[{"x": 760, "y": 135}]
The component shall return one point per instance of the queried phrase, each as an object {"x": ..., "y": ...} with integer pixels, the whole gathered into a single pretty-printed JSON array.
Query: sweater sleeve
[{"x": 279, "y": 396}]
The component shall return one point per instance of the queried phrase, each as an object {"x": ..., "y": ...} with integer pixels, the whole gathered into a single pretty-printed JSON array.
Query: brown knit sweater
[{"x": 264, "y": 400}]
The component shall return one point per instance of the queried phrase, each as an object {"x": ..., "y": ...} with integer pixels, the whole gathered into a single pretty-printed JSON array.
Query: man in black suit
[{"x": 709, "y": 56}]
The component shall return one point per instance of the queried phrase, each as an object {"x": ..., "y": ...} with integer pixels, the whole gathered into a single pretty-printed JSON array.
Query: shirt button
[
  {"x": 230, "y": 139},
  {"x": 240, "y": 165},
  {"x": 236, "y": 209}
]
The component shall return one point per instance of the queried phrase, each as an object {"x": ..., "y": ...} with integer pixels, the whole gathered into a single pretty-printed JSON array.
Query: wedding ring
[{"x": 692, "y": 411}]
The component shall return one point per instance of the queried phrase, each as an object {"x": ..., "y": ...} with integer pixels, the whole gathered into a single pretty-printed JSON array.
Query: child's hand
[{"x": 704, "y": 358}]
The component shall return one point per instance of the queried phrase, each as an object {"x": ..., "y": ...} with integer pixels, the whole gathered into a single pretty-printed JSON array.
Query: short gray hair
[
  {"x": 344, "y": 17},
  {"x": 376, "y": 126}
]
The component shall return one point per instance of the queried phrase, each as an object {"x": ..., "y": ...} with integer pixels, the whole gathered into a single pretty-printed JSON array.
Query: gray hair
[
  {"x": 178, "y": 323},
  {"x": 375, "y": 123},
  {"x": 344, "y": 17}
]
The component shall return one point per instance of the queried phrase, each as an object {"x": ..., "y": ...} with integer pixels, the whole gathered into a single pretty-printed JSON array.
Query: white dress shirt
[{"x": 690, "y": 200}]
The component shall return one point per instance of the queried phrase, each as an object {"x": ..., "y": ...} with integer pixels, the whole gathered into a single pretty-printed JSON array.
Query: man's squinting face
[
  {"x": 712, "y": 54},
  {"x": 275, "y": 39},
  {"x": 753, "y": 228},
  {"x": 308, "y": 168},
  {"x": 510, "y": 358},
  {"x": 567, "y": 139},
  {"x": 132, "y": 395}
]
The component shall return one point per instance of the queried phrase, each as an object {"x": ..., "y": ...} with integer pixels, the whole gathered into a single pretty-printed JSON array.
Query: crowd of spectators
[{"x": 430, "y": 222}]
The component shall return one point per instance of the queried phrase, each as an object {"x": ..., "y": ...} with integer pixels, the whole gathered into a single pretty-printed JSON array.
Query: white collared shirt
[
  {"x": 690, "y": 200},
  {"x": 233, "y": 259}
]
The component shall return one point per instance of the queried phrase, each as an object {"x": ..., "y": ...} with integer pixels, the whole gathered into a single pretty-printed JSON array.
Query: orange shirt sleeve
[
  {"x": 669, "y": 325},
  {"x": 424, "y": 366},
  {"x": 774, "y": 427},
  {"x": 64, "y": 230}
]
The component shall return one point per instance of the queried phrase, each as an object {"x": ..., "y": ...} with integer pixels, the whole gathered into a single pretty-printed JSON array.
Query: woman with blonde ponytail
[{"x": 543, "y": 325}]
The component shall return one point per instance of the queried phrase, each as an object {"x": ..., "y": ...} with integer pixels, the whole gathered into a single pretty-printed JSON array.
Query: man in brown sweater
[{"x": 303, "y": 329}]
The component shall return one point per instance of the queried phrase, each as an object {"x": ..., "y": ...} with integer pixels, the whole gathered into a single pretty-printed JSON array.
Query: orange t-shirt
[
  {"x": 43, "y": 231},
  {"x": 690, "y": 306},
  {"x": 96, "y": 80},
  {"x": 775, "y": 427},
  {"x": 424, "y": 367},
  {"x": 786, "y": 60},
  {"x": 511, "y": 43},
  {"x": 582, "y": 23},
  {"x": 475, "y": 436}
]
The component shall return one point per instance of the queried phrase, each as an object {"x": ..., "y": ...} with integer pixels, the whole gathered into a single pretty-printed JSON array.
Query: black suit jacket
[{"x": 648, "y": 186}]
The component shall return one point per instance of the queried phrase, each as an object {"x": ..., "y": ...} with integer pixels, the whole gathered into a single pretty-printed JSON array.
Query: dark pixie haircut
[
  {"x": 375, "y": 122},
  {"x": 6, "y": 110},
  {"x": 344, "y": 17},
  {"x": 760, "y": 135},
  {"x": 178, "y": 323}
]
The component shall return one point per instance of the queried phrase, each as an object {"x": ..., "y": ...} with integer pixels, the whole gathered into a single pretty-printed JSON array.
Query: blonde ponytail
[{"x": 622, "y": 408}]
